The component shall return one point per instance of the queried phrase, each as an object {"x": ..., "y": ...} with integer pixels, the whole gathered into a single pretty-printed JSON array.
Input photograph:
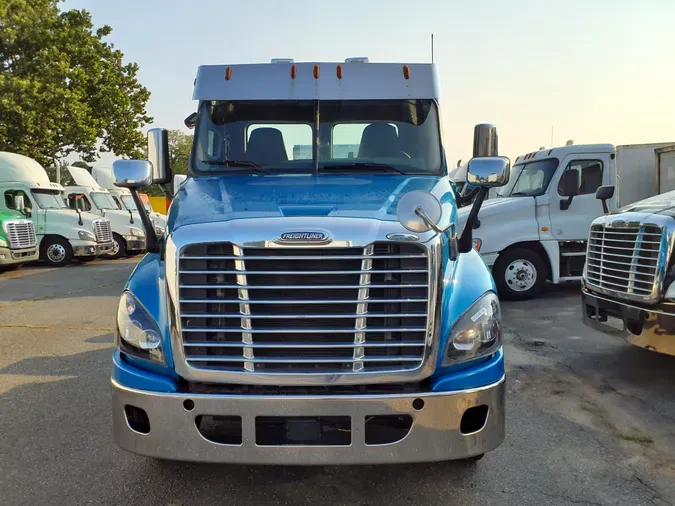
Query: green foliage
[
  {"x": 180, "y": 146},
  {"x": 63, "y": 89}
]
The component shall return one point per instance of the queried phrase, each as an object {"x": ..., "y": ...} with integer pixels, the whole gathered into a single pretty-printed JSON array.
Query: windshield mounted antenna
[{"x": 315, "y": 140}]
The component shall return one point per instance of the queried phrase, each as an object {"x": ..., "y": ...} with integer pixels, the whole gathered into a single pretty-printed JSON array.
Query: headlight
[
  {"x": 3, "y": 243},
  {"x": 136, "y": 232},
  {"x": 137, "y": 332},
  {"x": 670, "y": 292},
  {"x": 159, "y": 231},
  {"x": 86, "y": 236},
  {"x": 478, "y": 331},
  {"x": 476, "y": 244}
]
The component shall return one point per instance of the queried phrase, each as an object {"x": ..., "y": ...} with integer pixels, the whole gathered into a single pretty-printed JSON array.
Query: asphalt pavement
[{"x": 590, "y": 419}]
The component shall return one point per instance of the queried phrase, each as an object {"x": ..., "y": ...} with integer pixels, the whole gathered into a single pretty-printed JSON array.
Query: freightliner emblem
[{"x": 303, "y": 237}]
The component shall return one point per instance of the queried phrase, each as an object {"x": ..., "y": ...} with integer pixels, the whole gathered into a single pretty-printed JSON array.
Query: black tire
[
  {"x": 56, "y": 251},
  {"x": 120, "y": 247},
  {"x": 519, "y": 274}
]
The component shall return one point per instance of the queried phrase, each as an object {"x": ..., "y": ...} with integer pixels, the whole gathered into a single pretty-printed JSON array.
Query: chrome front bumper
[
  {"x": 134, "y": 243},
  {"x": 435, "y": 433}
]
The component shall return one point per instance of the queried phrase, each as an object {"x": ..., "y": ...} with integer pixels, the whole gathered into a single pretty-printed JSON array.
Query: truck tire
[
  {"x": 519, "y": 274},
  {"x": 56, "y": 251},
  {"x": 119, "y": 247}
]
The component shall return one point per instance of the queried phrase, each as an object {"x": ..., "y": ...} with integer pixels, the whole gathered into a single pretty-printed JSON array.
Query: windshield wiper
[
  {"x": 238, "y": 164},
  {"x": 363, "y": 165},
  {"x": 520, "y": 194}
]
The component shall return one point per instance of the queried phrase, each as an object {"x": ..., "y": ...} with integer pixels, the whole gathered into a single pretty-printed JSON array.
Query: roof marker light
[
  {"x": 406, "y": 71},
  {"x": 316, "y": 71},
  {"x": 294, "y": 71},
  {"x": 339, "y": 71},
  {"x": 228, "y": 73}
]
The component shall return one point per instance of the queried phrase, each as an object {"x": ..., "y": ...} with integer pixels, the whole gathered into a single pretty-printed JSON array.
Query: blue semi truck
[{"x": 316, "y": 310}]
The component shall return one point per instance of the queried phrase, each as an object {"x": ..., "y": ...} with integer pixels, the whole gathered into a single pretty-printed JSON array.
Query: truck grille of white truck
[
  {"x": 624, "y": 260},
  {"x": 103, "y": 231},
  {"x": 21, "y": 234},
  {"x": 297, "y": 310}
]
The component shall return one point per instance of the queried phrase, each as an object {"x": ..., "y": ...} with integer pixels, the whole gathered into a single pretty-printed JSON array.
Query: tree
[
  {"x": 63, "y": 89},
  {"x": 180, "y": 146}
]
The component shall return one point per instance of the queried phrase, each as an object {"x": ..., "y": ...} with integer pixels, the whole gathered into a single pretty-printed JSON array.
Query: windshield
[
  {"x": 369, "y": 136},
  {"x": 529, "y": 179},
  {"x": 48, "y": 199},
  {"x": 103, "y": 200},
  {"x": 128, "y": 202}
]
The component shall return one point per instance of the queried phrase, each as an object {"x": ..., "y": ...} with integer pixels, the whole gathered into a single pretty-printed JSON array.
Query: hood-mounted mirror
[{"x": 420, "y": 211}]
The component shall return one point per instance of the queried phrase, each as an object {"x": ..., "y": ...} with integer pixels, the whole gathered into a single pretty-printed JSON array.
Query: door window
[
  {"x": 589, "y": 175},
  {"x": 11, "y": 194}
]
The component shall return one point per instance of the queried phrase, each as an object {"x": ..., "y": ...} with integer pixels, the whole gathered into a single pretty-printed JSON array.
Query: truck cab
[
  {"x": 535, "y": 228},
  {"x": 123, "y": 198},
  {"x": 18, "y": 242},
  {"x": 628, "y": 285},
  {"x": 62, "y": 234},
  {"x": 311, "y": 306},
  {"x": 87, "y": 195}
]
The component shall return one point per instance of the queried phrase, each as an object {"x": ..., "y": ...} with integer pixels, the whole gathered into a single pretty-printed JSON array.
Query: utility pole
[
  {"x": 58, "y": 171},
  {"x": 432, "y": 48}
]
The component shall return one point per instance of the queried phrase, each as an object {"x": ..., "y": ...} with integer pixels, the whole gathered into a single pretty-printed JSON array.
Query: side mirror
[
  {"x": 569, "y": 187},
  {"x": 191, "y": 121},
  {"x": 132, "y": 173},
  {"x": 158, "y": 155},
  {"x": 488, "y": 172},
  {"x": 605, "y": 193},
  {"x": 485, "y": 170}
]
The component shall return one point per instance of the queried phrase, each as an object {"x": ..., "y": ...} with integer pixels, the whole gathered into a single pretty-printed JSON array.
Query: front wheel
[
  {"x": 119, "y": 247},
  {"x": 519, "y": 274},
  {"x": 56, "y": 252}
]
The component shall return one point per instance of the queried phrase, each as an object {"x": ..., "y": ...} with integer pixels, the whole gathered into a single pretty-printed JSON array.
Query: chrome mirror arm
[{"x": 420, "y": 212}]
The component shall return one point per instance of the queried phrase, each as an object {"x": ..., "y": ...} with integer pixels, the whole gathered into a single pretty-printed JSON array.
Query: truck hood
[
  {"x": 493, "y": 207},
  {"x": 663, "y": 204},
  {"x": 223, "y": 198},
  {"x": 68, "y": 216}
]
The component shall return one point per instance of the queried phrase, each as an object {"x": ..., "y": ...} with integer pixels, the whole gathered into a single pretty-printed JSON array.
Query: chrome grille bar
[
  {"x": 20, "y": 234},
  {"x": 244, "y": 309},
  {"x": 362, "y": 309}
]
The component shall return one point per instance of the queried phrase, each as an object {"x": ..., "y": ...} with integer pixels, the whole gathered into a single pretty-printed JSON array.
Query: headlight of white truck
[
  {"x": 86, "y": 235},
  {"x": 477, "y": 333},
  {"x": 136, "y": 232},
  {"x": 138, "y": 332},
  {"x": 3, "y": 243}
]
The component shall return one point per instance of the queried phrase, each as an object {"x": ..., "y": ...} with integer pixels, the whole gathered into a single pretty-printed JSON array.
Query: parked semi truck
[
  {"x": 628, "y": 286},
  {"x": 311, "y": 311},
  {"x": 536, "y": 227},
  {"x": 18, "y": 242},
  {"x": 62, "y": 234},
  {"x": 86, "y": 194},
  {"x": 123, "y": 199}
]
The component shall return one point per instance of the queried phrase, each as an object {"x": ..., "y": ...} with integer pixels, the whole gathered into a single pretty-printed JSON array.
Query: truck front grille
[
  {"x": 103, "y": 231},
  {"x": 21, "y": 234},
  {"x": 296, "y": 310},
  {"x": 624, "y": 260}
]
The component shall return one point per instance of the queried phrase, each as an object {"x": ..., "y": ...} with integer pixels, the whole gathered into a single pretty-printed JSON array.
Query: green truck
[{"x": 18, "y": 243}]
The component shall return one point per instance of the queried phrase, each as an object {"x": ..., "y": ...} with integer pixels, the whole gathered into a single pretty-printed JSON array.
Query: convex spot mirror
[
  {"x": 488, "y": 172},
  {"x": 419, "y": 211}
]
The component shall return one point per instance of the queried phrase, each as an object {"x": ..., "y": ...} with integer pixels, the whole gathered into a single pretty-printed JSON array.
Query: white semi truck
[
  {"x": 536, "y": 227},
  {"x": 87, "y": 195},
  {"x": 123, "y": 198},
  {"x": 62, "y": 234}
]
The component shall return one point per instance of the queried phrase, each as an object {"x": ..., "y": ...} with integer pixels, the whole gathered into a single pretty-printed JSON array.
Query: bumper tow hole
[
  {"x": 188, "y": 404},
  {"x": 418, "y": 404},
  {"x": 137, "y": 419},
  {"x": 474, "y": 419}
]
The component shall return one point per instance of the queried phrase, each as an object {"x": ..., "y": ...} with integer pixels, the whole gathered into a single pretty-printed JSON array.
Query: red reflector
[
  {"x": 316, "y": 71},
  {"x": 228, "y": 73},
  {"x": 339, "y": 71},
  {"x": 294, "y": 71},
  {"x": 406, "y": 71}
]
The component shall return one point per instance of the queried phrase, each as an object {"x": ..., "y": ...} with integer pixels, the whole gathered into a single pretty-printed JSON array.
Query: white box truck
[{"x": 537, "y": 226}]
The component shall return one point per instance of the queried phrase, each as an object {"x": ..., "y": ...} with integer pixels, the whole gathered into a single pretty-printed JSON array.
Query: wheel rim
[
  {"x": 116, "y": 248},
  {"x": 56, "y": 253},
  {"x": 520, "y": 275}
]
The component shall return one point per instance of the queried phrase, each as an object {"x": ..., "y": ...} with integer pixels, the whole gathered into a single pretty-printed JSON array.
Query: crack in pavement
[
  {"x": 568, "y": 498},
  {"x": 656, "y": 494}
]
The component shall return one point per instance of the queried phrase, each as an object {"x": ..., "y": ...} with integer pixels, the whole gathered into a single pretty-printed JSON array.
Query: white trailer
[{"x": 533, "y": 231}]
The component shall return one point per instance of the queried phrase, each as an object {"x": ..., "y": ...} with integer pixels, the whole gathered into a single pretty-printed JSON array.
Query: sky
[{"x": 543, "y": 71}]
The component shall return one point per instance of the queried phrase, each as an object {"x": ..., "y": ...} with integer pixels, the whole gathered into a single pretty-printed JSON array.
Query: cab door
[{"x": 571, "y": 220}]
